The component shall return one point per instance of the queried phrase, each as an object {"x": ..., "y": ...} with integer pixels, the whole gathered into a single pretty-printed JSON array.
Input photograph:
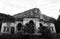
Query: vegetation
[
  {"x": 57, "y": 24},
  {"x": 46, "y": 33},
  {"x": 29, "y": 29},
  {"x": 5, "y": 17}
]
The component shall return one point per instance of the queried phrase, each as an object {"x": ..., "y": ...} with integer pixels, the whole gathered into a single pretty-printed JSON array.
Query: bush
[{"x": 46, "y": 33}]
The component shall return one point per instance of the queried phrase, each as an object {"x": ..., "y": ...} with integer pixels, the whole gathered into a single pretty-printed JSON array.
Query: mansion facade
[{"x": 32, "y": 15}]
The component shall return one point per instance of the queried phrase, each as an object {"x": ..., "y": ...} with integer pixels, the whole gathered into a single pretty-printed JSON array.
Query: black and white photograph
[{"x": 29, "y": 19}]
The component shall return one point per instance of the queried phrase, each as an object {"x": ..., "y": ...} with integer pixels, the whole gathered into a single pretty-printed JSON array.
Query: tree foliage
[
  {"x": 46, "y": 33},
  {"x": 29, "y": 29}
]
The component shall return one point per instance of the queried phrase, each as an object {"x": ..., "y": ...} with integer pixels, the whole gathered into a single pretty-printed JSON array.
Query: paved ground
[{"x": 20, "y": 37}]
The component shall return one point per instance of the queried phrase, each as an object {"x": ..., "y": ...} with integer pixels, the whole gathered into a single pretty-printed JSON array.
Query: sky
[{"x": 48, "y": 7}]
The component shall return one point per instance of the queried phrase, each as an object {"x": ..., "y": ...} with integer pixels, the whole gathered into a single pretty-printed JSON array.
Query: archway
[
  {"x": 30, "y": 27},
  {"x": 31, "y": 22},
  {"x": 19, "y": 26}
]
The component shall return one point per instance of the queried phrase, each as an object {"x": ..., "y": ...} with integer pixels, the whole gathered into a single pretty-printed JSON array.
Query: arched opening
[
  {"x": 31, "y": 22},
  {"x": 30, "y": 27},
  {"x": 19, "y": 26}
]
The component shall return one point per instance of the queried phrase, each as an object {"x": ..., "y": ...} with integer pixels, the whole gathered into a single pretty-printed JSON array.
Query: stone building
[
  {"x": 32, "y": 15},
  {"x": 4, "y": 18}
]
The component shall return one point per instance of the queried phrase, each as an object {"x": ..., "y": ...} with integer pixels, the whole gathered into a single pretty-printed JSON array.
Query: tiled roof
[
  {"x": 47, "y": 18},
  {"x": 29, "y": 13},
  {"x": 34, "y": 13},
  {"x": 5, "y": 17}
]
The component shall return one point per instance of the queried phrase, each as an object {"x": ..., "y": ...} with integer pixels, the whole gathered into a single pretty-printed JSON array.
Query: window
[
  {"x": 19, "y": 26},
  {"x": 6, "y": 29}
]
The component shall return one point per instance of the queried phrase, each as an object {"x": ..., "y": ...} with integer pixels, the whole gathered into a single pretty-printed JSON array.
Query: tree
[
  {"x": 57, "y": 25},
  {"x": 29, "y": 28},
  {"x": 46, "y": 33}
]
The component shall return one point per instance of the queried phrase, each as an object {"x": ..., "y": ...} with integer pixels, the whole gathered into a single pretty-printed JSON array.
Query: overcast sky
[{"x": 47, "y": 7}]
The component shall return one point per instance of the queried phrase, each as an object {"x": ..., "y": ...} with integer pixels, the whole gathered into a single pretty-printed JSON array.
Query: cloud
[
  {"x": 51, "y": 9},
  {"x": 48, "y": 7},
  {"x": 54, "y": 1}
]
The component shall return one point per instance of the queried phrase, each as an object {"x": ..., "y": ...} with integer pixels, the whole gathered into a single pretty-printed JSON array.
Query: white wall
[
  {"x": 35, "y": 20},
  {"x": 53, "y": 26},
  {"x": 7, "y": 24},
  {"x": 50, "y": 25},
  {"x": 26, "y": 20},
  {"x": 16, "y": 23}
]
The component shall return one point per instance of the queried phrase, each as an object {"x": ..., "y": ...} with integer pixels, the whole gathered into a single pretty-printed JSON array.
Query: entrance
[
  {"x": 31, "y": 22},
  {"x": 30, "y": 27},
  {"x": 19, "y": 26}
]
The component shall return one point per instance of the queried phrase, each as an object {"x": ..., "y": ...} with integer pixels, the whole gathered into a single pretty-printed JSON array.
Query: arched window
[
  {"x": 31, "y": 22},
  {"x": 19, "y": 26},
  {"x": 29, "y": 27}
]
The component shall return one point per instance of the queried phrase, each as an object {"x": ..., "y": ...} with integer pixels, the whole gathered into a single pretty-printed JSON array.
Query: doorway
[
  {"x": 31, "y": 22},
  {"x": 19, "y": 26},
  {"x": 30, "y": 27}
]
